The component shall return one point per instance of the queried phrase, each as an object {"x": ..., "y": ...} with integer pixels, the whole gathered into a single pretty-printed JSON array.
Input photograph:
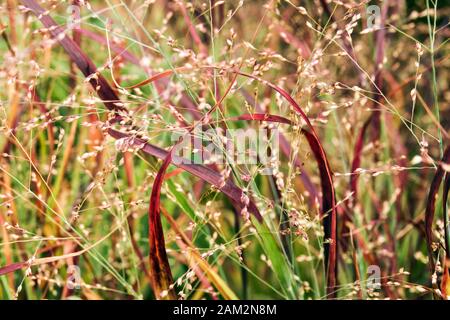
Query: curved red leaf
[
  {"x": 329, "y": 221},
  {"x": 287, "y": 150},
  {"x": 159, "y": 264}
]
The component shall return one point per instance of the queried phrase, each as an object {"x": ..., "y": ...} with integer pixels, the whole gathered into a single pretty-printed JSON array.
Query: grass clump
[{"x": 96, "y": 202}]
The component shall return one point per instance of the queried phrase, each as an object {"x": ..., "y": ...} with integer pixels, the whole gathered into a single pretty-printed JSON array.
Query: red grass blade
[
  {"x": 159, "y": 82},
  {"x": 154, "y": 78},
  {"x": 329, "y": 222},
  {"x": 445, "y": 283},
  {"x": 328, "y": 200},
  {"x": 12, "y": 267},
  {"x": 444, "y": 210},
  {"x": 356, "y": 163},
  {"x": 263, "y": 117},
  {"x": 120, "y": 51},
  {"x": 431, "y": 204},
  {"x": 286, "y": 149},
  {"x": 159, "y": 264}
]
